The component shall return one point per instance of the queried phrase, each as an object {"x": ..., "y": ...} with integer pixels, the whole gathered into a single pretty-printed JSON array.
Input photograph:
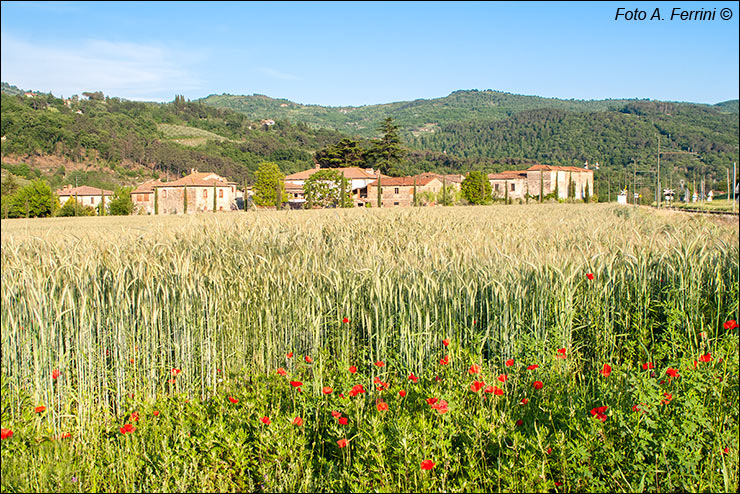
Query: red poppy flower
[
  {"x": 432, "y": 401},
  {"x": 289, "y": 354},
  {"x": 558, "y": 484},
  {"x": 352, "y": 369},
  {"x": 561, "y": 353},
  {"x": 729, "y": 325},
  {"x": 356, "y": 389},
  {"x": 340, "y": 395},
  {"x": 308, "y": 359},
  {"x": 446, "y": 342},
  {"x": 537, "y": 385},
  {"x": 635, "y": 408},
  {"x": 524, "y": 401},
  {"x": 233, "y": 400},
  {"x": 598, "y": 412},
  {"x": 476, "y": 386},
  {"x": 39, "y": 409},
  {"x": 5, "y": 433},
  {"x": 66, "y": 435},
  {"x": 427, "y": 465},
  {"x": 342, "y": 443},
  {"x": 726, "y": 450},
  {"x": 667, "y": 400},
  {"x": 474, "y": 369},
  {"x": 498, "y": 391},
  {"x": 218, "y": 370},
  {"x": 380, "y": 363},
  {"x": 648, "y": 365},
  {"x": 298, "y": 421},
  {"x": 134, "y": 416},
  {"x": 519, "y": 423},
  {"x": 132, "y": 361},
  {"x": 343, "y": 420},
  {"x": 502, "y": 378},
  {"x": 532, "y": 367},
  {"x": 703, "y": 334},
  {"x": 510, "y": 362},
  {"x": 489, "y": 389},
  {"x": 282, "y": 372},
  {"x": 345, "y": 320},
  {"x": 296, "y": 384},
  {"x": 156, "y": 413},
  {"x": 265, "y": 420},
  {"x": 706, "y": 358},
  {"x": 402, "y": 393},
  {"x": 382, "y": 406},
  {"x": 128, "y": 428},
  {"x": 606, "y": 370},
  {"x": 672, "y": 372},
  {"x": 413, "y": 377},
  {"x": 445, "y": 360},
  {"x": 172, "y": 381},
  {"x": 590, "y": 276},
  {"x": 549, "y": 450},
  {"x": 175, "y": 372},
  {"x": 326, "y": 390},
  {"x": 441, "y": 406},
  {"x": 55, "y": 373},
  {"x": 336, "y": 414}
]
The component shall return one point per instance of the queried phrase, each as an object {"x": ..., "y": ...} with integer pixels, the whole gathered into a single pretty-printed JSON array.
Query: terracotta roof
[
  {"x": 405, "y": 181},
  {"x": 293, "y": 187},
  {"x": 147, "y": 187},
  {"x": 547, "y": 168},
  {"x": 82, "y": 190},
  {"x": 196, "y": 179},
  {"x": 351, "y": 172},
  {"x": 448, "y": 178},
  {"x": 508, "y": 175}
]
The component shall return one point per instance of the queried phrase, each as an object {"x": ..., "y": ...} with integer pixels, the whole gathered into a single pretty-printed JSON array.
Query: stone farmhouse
[
  {"x": 205, "y": 192},
  {"x": 357, "y": 178},
  {"x": 399, "y": 191},
  {"x": 86, "y": 195},
  {"x": 519, "y": 183}
]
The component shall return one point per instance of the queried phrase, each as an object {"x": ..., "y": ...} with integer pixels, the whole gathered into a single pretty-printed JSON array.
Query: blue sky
[{"x": 343, "y": 54}]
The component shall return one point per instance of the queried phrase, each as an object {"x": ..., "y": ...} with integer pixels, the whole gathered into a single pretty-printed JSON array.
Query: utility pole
[
  {"x": 734, "y": 177},
  {"x": 657, "y": 180},
  {"x": 634, "y": 182}
]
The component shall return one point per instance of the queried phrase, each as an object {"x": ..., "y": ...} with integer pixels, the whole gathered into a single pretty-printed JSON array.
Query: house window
[
  {"x": 395, "y": 204},
  {"x": 164, "y": 193},
  {"x": 513, "y": 187},
  {"x": 205, "y": 192},
  {"x": 395, "y": 190},
  {"x": 220, "y": 192},
  {"x": 496, "y": 187}
]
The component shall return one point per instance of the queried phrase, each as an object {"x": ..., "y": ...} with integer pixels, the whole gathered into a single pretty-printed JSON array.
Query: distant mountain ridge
[{"x": 422, "y": 114}]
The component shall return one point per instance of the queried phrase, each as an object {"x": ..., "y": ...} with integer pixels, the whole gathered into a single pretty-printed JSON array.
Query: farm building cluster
[{"x": 204, "y": 191}]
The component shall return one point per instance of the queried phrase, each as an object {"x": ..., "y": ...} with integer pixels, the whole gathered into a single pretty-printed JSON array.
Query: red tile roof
[
  {"x": 147, "y": 187},
  {"x": 508, "y": 175},
  {"x": 350, "y": 172},
  {"x": 82, "y": 190},
  {"x": 405, "y": 181},
  {"x": 196, "y": 179},
  {"x": 547, "y": 168}
]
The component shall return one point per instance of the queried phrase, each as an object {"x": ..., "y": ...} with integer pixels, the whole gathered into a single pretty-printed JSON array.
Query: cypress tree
[
  {"x": 444, "y": 191},
  {"x": 415, "y": 202},
  {"x": 557, "y": 190},
  {"x": 214, "y": 198},
  {"x": 185, "y": 199},
  {"x": 246, "y": 197},
  {"x": 586, "y": 194},
  {"x": 156, "y": 200},
  {"x": 278, "y": 201},
  {"x": 380, "y": 193},
  {"x": 506, "y": 192},
  {"x": 571, "y": 189},
  {"x": 102, "y": 203}
]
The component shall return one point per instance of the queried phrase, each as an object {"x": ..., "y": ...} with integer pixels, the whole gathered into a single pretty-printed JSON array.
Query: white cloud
[
  {"x": 277, "y": 74},
  {"x": 128, "y": 70}
]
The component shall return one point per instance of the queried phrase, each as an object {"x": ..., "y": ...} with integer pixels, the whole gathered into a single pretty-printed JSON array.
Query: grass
[{"x": 114, "y": 304}]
